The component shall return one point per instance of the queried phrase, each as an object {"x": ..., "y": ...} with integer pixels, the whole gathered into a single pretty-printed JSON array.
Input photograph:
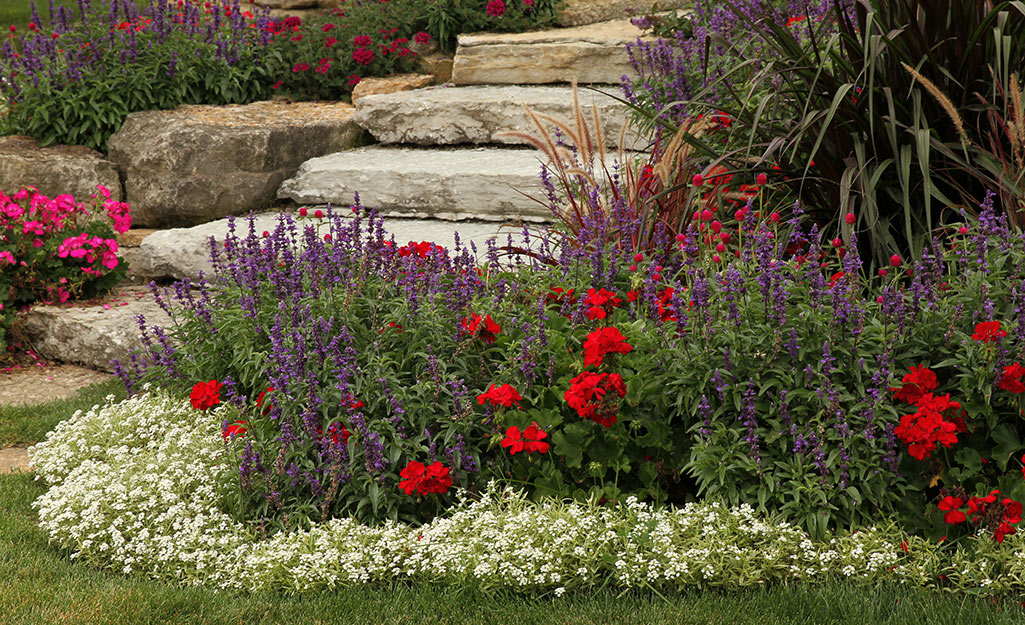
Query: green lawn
[{"x": 39, "y": 584}]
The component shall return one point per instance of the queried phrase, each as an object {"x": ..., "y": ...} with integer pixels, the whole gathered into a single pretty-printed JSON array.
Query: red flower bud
[
  {"x": 698, "y": 180},
  {"x": 895, "y": 260},
  {"x": 850, "y": 218},
  {"x": 837, "y": 242}
]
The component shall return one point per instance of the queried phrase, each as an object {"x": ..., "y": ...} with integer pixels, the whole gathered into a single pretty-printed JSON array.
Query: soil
[
  {"x": 14, "y": 459},
  {"x": 31, "y": 383}
]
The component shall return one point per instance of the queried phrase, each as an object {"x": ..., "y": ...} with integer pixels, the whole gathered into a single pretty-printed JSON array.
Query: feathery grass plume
[{"x": 943, "y": 101}]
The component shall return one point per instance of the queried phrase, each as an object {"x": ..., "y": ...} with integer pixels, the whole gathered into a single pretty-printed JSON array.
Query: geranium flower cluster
[
  {"x": 424, "y": 480},
  {"x": 937, "y": 421},
  {"x": 983, "y": 512}
]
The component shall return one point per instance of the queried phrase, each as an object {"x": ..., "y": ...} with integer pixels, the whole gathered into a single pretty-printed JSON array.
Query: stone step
[
  {"x": 184, "y": 252},
  {"x": 454, "y": 184},
  {"x": 483, "y": 114},
  {"x": 92, "y": 333},
  {"x": 593, "y": 53},
  {"x": 578, "y": 12}
]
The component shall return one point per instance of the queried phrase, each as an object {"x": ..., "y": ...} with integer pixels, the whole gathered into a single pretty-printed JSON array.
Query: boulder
[
  {"x": 196, "y": 164},
  {"x": 390, "y": 84},
  {"x": 594, "y": 53},
  {"x": 73, "y": 169},
  {"x": 92, "y": 333},
  {"x": 580, "y": 12},
  {"x": 449, "y": 115}
]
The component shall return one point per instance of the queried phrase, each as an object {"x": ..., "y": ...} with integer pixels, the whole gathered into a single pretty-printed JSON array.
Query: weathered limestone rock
[
  {"x": 587, "y": 54},
  {"x": 184, "y": 252},
  {"x": 199, "y": 163},
  {"x": 484, "y": 114},
  {"x": 73, "y": 169},
  {"x": 91, "y": 334},
  {"x": 438, "y": 65},
  {"x": 579, "y": 12},
  {"x": 478, "y": 183},
  {"x": 289, "y": 4},
  {"x": 390, "y": 84}
]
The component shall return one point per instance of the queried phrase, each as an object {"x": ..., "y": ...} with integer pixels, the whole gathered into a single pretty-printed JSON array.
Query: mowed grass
[{"x": 40, "y": 584}]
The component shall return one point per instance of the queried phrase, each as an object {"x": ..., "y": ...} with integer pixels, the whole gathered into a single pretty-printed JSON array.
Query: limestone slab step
[
  {"x": 578, "y": 12},
  {"x": 184, "y": 252},
  {"x": 594, "y": 53},
  {"x": 92, "y": 334},
  {"x": 455, "y": 184},
  {"x": 483, "y": 114}
]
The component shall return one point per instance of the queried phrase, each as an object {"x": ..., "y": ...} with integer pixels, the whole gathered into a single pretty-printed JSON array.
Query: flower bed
[
  {"x": 75, "y": 77},
  {"x": 139, "y": 486}
]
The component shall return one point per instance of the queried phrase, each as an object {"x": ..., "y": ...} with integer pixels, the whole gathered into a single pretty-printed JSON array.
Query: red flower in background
[
  {"x": 206, "y": 395},
  {"x": 423, "y": 249},
  {"x": 361, "y": 41},
  {"x": 602, "y": 342},
  {"x": 594, "y": 396},
  {"x": 950, "y": 505},
  {"x": 237, "y": 428},
  {"x": 1011, "y": 379},
  {"x": 422, "y": 37},
  {"x": 988, "y": 331},
  {"x": 263, "y": 397},
  {"x": 916, "y": 384},
  {"x": 484, "y": 327},
  {"x": 504, "y": 395},
  {"x": 363, "y": 56},
  {"x": 600, "y": 303},
  {"x": 495, "y": 8}
]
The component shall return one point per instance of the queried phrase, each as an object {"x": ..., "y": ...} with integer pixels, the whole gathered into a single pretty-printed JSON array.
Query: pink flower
[
  {"x": 421, "y": 37},
  {"x": 363, "y": 56},
  {"x": 300, "y": 67},
  {"x": 361, "y": 41},
  {"x": 495, "y": 8},
  {"x": 330, "y": 41}
]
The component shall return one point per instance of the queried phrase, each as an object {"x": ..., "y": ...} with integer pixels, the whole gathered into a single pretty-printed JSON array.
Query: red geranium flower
[
  {"x": 923, "y": 430},
  {"x": 337, "y": 430},
  {"x": 504, "y": 395},
  {"x": 600, "y": 303},
  {"x": 1002, "y": 530},
  {"x": 206, "y": 395},
  {"x": 988, "y": 331},
  {"x": 602, "y": 342},
  {"x": 590, "y": 395},
  {"x": 916, "y": 384},
  {"x": 529, "y": 440},
  {"x": 1010, "y": 379},
  {"x": 484, "y": 327},
  {"x": 237, "y": 428},
  {"x": 413, "y": 474},
  {"x": 361, "y": 41},
  {"x": 425, "y": 480}
]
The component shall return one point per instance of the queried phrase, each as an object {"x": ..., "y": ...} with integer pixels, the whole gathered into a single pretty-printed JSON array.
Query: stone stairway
[
  {"x": 424, "y": 167},
  {"x": 445, "y": 155}
]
